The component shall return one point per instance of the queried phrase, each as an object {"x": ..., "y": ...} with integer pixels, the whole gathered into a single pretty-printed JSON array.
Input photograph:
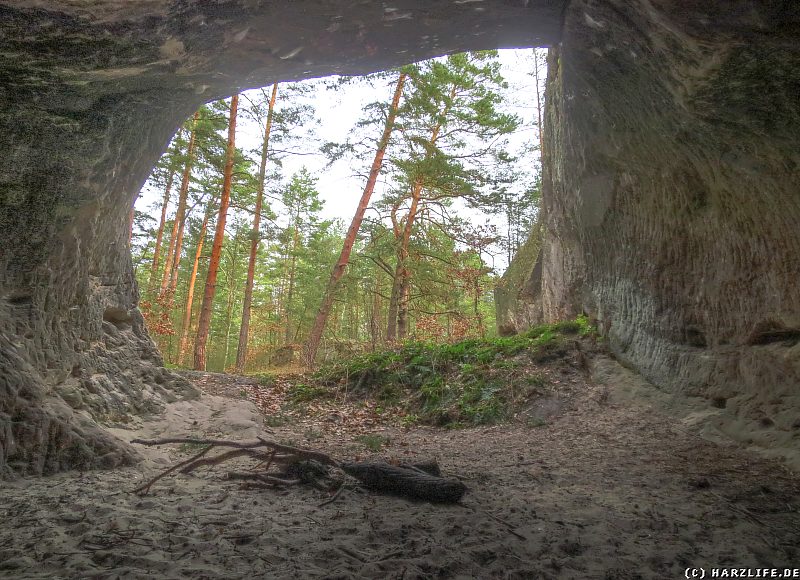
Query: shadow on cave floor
[{"x": 606, "y": 488}]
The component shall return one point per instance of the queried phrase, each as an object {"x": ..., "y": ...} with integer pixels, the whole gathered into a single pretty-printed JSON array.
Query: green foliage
[
  {"x": 372, "y": 441},
  {"x": 410, "y": 420},
  {"x": 190, "y": 447},
  {"x": 450, "y": 291},
  {"x": 312, "y": 434},
  {"x": 303, "y": 393},
  {"x": 459, "y": 384}
]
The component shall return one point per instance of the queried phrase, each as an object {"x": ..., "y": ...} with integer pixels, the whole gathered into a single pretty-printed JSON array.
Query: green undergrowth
[{"x": 472, "y": 382}]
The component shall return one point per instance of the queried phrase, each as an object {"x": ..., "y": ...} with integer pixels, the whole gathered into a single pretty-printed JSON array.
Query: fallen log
[
  {"x": 421, "y": 481},
  {"x": 409, "y": 483}
]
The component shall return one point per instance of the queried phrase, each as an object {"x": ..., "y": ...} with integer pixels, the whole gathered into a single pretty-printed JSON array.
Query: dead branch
[
  {"x": 303, "y": 453},
  {"x": 146, "y": 487},
  {"x": 304, "y": 466},
  {"x": 237, "y": 475},
  {"x": 411, "y": 483},
  {"x": 193, "y": 441},
  {"x": 216, "y": 460},
  {"x": 268, "y": 461},
  {"x": 335, "y": 496}
]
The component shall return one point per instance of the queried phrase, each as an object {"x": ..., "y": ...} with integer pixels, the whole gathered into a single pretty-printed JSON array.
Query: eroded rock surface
[
  {"x": 672, "y": 198},
  {"x": 90, "y": 93}
]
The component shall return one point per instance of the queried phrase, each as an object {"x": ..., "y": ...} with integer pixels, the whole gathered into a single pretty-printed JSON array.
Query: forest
[{"x": 250, "y": 253}]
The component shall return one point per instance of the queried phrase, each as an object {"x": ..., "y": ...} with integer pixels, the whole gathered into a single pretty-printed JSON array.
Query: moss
[
  {"x": 463, "y": 383},
  {"x": 303, "y": 393}
]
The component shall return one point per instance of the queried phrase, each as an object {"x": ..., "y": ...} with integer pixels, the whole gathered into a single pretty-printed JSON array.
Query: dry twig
[{"x": 146, "y": 487}]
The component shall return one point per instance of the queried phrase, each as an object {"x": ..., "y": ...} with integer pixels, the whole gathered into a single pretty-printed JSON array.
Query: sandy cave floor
[{"x": 608, "y": 487}]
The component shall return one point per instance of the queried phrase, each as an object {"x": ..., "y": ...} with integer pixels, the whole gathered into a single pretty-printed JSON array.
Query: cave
[
  {"x": 671, "y": 188},
  {"x": 671, "y": 196}
]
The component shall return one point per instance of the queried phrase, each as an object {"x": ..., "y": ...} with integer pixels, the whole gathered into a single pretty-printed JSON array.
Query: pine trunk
[
  {"x": 174, "y": 243},
  {"x": 160, "y": 234},
  {"x": 391, "y": 314},
  {"x": 187, "y": 314},
  {"x": 204, "y": 323},
  {"x": 168, "y": 262},
  {"x": 338, "y": 270},
  {"x": 402, "y": 308},
  {"x": 398, "y": 304},
  {"x": 231, "y": 301},
  {"x": 290, "y": 291},
  {"x": 244, "y": 330},
  {"x": 374, "y": 324},
  {"x": 180, "y": 216}
]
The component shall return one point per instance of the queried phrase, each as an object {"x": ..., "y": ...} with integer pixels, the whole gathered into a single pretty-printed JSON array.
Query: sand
[{"x": 605, "y": 485}]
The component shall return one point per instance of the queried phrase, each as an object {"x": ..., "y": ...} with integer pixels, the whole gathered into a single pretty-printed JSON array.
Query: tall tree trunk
[
  {"x": 244, "y": 330},
  {"x": 281, "y": 310},
  {"x": 204, "y": 323},
  {"x": 168, "y": 262},
  {"x": 402, "y": 275},
  {"x": 338, "y": 270},
  {"x": 187, "y": 314},
  {"x": 398, "y": 306},
  {"x": 375, "y": 315},
  {"x": 391, "y": 314},
  {"x": 160, "y": 234},
  {"x": 292, "y": 271},
  {"x": 476, "y": 302},
  {"x": 170, "y": 278},
  {"x": 231, "y": 301},
  {"x": 402, "y": 307}
]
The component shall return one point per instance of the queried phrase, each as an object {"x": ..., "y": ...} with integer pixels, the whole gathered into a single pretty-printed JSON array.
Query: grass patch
[
  {"x": 460, "y": 384},
  {"x": 372, "y": 441},
  {"x": 304, "y": 393},
  {"x": 312, "y": 434}
]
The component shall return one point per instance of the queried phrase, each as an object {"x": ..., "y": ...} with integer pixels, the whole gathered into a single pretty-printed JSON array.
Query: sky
[{"x": 336, "y": 114}]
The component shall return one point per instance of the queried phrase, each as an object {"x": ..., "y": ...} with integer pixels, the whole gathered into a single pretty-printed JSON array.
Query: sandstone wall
[{"x": 672, "y": 197}]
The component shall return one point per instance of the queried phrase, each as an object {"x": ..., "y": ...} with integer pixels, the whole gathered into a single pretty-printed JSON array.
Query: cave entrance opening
[{"x": 479, "y": 204}]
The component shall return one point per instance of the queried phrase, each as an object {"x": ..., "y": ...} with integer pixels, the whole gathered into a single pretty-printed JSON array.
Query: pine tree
[
  {"x": 241, "y": 353},
  {"x": 183, "y": 348},
  {"x": 302, "y": 200},
  {"x": 204, "y": 322},
  {"x": 338, "y": 270},
  {"x": 176, "y": 240},
  {"x": 453, "y": 102},
  {"x": 169, "y": 166}
]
